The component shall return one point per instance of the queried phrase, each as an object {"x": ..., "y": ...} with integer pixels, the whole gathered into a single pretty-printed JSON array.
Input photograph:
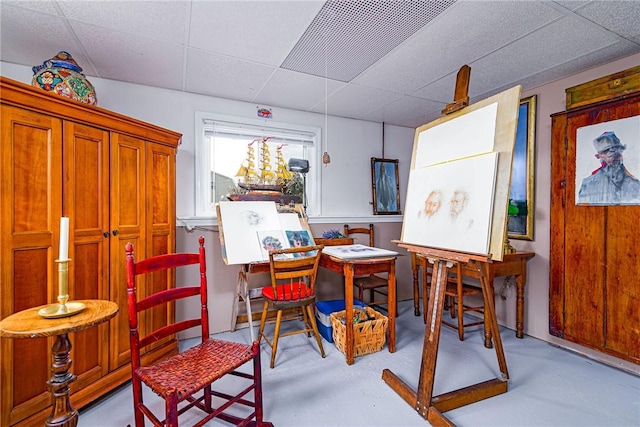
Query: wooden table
[
  {"x": 29, "y": 324},
  {"x": 511, "y": 265},
  {"x": 360, "y": 267},
  {"x": 347, "y": 268}
]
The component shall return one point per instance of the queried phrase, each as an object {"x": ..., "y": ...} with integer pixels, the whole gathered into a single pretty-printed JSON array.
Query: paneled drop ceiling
[{"x": 384, "y": 61}]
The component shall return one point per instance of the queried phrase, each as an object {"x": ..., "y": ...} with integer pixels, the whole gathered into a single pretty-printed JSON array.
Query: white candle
[{"x": 64, "y": 238}]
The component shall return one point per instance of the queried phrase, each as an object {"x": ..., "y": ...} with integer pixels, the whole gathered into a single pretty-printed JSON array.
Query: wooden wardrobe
[
  {"x": 114, "y": 177},
  {"x": 594, "y": 293}
]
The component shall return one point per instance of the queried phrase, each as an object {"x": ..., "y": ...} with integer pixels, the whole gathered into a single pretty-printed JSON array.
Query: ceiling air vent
[{"x": 347, "y": 37}]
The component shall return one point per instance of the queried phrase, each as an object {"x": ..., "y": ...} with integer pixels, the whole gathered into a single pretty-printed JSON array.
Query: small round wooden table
[{"x": 29, "y": 324}]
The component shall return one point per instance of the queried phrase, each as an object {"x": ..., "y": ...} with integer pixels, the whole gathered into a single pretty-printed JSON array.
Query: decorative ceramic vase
[{"x": 62, "y": 75}]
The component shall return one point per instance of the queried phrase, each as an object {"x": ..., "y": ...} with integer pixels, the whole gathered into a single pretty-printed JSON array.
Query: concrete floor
[{"x": 548, "y": 386}]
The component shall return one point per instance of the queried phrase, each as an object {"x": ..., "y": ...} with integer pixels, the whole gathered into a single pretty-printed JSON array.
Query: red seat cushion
[{"x": 293, "y": 291}]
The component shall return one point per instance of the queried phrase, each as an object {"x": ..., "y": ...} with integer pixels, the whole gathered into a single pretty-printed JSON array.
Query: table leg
[
  {"x": 487, "y": 321},
  {"x": 520, "y": 280},
  {"x": 348, "y": 299},
  {"x": 62, "y": 414},
  {"x": 392, "y": 306}
]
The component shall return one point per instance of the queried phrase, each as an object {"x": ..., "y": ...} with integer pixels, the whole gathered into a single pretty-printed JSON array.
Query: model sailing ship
[{"x": 265, "y": 182}]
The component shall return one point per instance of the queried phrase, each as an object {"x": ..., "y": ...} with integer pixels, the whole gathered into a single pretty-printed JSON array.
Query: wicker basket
[{"x": 369, "y": 335}]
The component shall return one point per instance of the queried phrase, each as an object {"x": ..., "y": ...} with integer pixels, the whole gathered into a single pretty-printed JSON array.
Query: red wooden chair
[
  {"x": 179, "y": 378},
  {"x": 293, "y": 278}
]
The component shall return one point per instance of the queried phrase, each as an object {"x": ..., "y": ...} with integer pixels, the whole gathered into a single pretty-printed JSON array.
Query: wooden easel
[{"x": 422, "y": 400}]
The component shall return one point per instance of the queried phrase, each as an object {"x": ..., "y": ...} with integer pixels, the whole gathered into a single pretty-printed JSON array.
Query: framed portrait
[
  {"x": 521, "y": 192},
  {"x": 386, "y": 186},
  {"x": 607, "y": 163}
]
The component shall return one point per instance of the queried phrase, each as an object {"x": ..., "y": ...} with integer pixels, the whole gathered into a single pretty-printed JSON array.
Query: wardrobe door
[
  {"x": 30, "y": 211},
  {"x": 86, "y": 203},
  {"x": 127, "y": 224}
]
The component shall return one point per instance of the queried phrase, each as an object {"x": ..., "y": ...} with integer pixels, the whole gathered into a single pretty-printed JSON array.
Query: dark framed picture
[
  {"x": 386, "y": 186},
  {"x": 521, "y": 193}
]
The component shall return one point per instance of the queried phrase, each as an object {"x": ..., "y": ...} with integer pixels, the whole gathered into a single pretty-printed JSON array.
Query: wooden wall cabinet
[
  {"x": 594, "y": 295},
  {"x": 114, "y": 177}
]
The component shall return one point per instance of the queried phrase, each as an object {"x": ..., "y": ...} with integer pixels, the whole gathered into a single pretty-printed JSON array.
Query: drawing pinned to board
[
  {"x": 446, "y": 209},
  {"x": 242, "y": 221},
  {"x": 271, "y": 241}
]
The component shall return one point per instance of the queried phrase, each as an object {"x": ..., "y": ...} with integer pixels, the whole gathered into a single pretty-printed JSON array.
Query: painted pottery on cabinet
[{"x": 62, "y": 75}]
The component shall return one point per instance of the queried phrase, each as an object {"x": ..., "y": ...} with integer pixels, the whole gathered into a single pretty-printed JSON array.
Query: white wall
[{"x": 346, "y": 182}]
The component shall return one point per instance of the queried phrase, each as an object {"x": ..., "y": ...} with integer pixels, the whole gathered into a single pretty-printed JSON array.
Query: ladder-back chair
[
  {"x": 179, "y": 378},
  {"x": 293, "y": 278},
  {"x": 377, "y": 286},
  {"x": 455, "y": 294}
]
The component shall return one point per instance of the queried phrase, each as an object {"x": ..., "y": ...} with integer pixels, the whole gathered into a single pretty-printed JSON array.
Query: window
[{"x": 223, "y": 147}]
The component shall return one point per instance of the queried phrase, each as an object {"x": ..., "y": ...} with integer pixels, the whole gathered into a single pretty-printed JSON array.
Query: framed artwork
[
  {"x": 521, "y": 191},
  {"x": 607, "y": 163},
  {"x": 386, "y": 186}
]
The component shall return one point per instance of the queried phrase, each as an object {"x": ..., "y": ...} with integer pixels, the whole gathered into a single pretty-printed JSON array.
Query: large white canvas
[
  {"x": 468, "y": 135},
  {"x": 449, "y": 205},
  {"x": 241, "y": 222}
]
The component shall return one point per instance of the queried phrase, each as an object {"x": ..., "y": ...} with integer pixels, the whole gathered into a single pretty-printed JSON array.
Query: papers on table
[{"x": 357, "y": 251}]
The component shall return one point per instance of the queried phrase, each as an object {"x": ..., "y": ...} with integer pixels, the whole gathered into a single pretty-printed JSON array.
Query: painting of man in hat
[{"x": 611, "y": 183}]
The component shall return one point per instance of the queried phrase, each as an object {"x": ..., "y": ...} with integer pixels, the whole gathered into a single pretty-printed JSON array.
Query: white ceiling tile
[
  {"x": 570, "y": 37},
  {"x": 225, "y": 77},
  {"x": 260, "y": 31},
  {"x": 356, "y": 101},
  {"x": 623, "y": 17},
  {"x": 296, "y": 90},
  {"x": 441, "y": 48},
  {"x": 44, "y": 6},
  {"x": 406, "y": 111},
  {"x": 22, "y": 41},
  {"x": 125, "y": 57},
  {"x": 158, "y": 20}
]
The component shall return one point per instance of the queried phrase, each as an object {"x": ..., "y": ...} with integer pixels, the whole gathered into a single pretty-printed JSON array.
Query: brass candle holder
[{"x": 64, "y": 307}]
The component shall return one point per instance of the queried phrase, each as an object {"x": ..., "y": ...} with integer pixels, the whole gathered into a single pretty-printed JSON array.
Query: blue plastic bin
[{"x": 323, "y": 313}]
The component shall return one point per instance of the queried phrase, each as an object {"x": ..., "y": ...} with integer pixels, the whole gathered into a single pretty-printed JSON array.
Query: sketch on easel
[
  {"x": 241, "y": 222},
  {"x": 446, "y": 209},
  {"x": 458, "y": 190}
]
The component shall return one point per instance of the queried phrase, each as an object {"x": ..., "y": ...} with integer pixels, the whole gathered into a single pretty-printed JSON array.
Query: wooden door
[
  {"x": 86, "y": 203},
  {"x": 161, "y": 218},
  {"x": 595, "y": 261},
  {"x": 127, "y": 224},
  {"x": 30, "y": 211}
]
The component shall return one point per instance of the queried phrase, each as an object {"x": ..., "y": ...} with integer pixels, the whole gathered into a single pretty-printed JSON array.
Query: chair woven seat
[
  {"x": 370, "y": 282},
  {"x": 194, "y": 368},
  {"x": 191, "y": 377}
]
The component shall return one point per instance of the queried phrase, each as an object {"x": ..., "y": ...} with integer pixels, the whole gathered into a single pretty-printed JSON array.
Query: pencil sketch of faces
[
  {"x": 458, "y": 203},
  {"x": 252, "y": 217},
  {"x": 433, "y": 203}
]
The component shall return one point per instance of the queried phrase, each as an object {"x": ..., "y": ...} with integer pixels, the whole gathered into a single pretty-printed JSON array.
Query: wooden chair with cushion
[
  {"x": 293, "y": 278},
  {"x": 377, "y": 286},
  {"x": 455, "y": 295},
  {"x": 179, "y": 378}
]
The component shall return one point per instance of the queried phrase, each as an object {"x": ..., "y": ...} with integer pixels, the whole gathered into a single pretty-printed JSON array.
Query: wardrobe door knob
[
  {"x": 115, "y": 232},
  {"x": 105, "y": 234}
]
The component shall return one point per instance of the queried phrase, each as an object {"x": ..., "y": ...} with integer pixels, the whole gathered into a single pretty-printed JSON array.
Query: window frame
[{"x": 203, "y": 150}]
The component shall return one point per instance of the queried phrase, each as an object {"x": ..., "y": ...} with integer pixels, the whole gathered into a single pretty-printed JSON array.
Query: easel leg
[
  {"x": 490, "y": 312},
  {"x": 421, "y": 400},
  {"x": 431, "y": 407}
]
